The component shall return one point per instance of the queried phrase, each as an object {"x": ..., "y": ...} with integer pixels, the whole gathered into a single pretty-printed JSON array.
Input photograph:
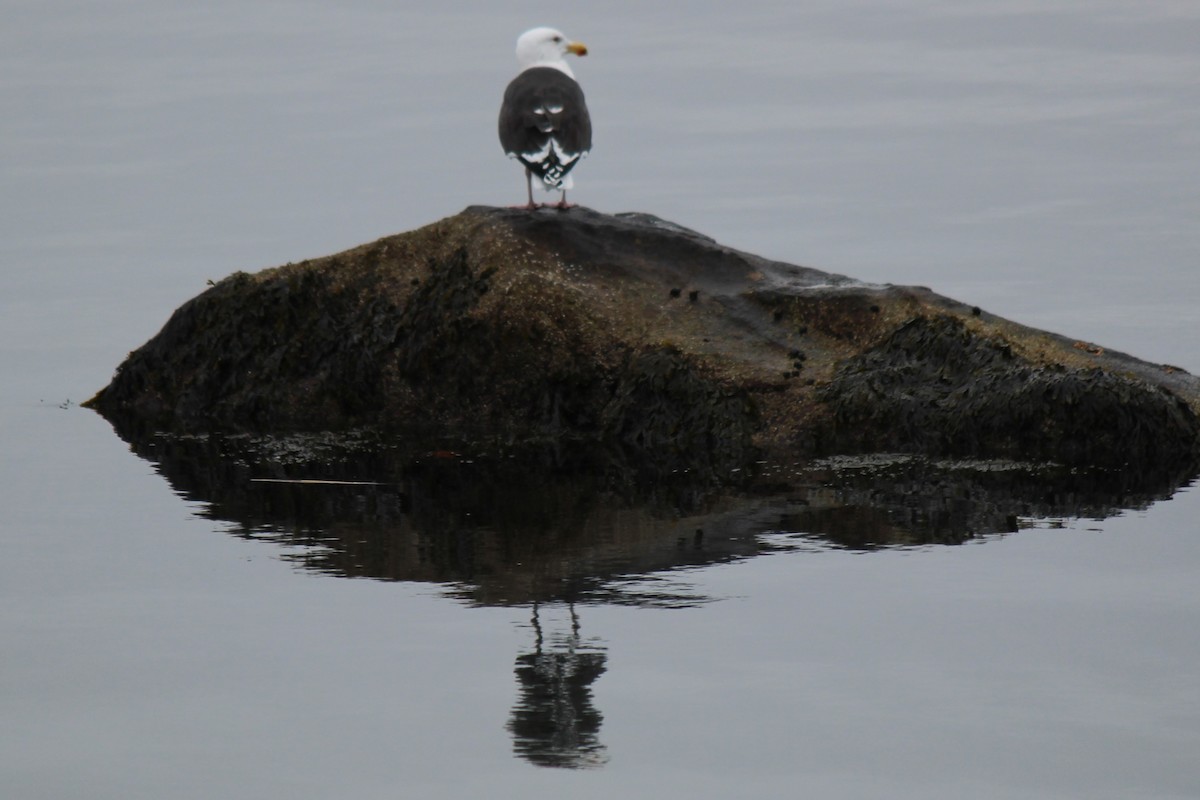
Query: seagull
[{"x": 544, "y": 121}]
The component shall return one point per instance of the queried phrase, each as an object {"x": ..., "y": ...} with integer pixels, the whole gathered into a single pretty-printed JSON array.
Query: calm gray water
[{"x": 166, "y": 637}]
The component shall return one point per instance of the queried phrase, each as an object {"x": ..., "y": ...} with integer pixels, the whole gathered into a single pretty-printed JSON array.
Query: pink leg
[{"x": 530, "y": 206}]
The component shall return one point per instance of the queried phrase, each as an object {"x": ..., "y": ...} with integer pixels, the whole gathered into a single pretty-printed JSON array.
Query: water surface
[{"x": 173, "y": 629}]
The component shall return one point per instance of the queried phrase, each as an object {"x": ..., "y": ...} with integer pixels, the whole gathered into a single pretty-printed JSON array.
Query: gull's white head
[{"x": 546, "y": 47}]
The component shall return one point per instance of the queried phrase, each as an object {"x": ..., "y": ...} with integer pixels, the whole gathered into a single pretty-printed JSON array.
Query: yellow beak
[{"x": 578, "y": 48}]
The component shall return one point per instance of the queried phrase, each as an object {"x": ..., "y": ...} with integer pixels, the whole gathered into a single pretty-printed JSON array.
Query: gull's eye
[{"x": 558, "y": 39}]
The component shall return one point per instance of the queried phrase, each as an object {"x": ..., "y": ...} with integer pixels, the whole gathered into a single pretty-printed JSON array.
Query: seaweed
[{"x": 664, "y": 408}]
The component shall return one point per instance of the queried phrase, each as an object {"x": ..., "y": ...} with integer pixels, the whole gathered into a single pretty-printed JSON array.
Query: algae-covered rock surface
[{"x": 576, "y": 330}]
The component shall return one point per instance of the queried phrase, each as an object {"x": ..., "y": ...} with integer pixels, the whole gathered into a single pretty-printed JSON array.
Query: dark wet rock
[
  {"x": 500, "y": 328},
  {"x": 934, "y": 386}
]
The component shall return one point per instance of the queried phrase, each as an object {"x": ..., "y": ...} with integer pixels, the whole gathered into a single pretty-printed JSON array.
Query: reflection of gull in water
[{"x": 554, "y": 723}]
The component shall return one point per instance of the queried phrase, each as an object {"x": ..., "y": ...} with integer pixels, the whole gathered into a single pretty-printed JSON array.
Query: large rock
[{"x": 501, "y": 328}]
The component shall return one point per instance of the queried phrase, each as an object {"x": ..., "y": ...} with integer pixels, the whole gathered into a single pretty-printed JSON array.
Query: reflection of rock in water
[
  {"x": 874, "y": 502},
  {"x": 501, "y": 531},
  {"x": 554, "y": 723}
]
